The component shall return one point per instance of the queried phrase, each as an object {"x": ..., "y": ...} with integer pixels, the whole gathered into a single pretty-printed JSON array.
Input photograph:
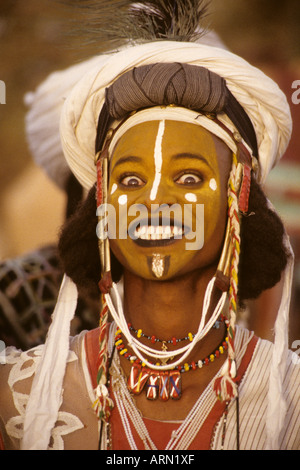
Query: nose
[{"x": 158, "y": 195}]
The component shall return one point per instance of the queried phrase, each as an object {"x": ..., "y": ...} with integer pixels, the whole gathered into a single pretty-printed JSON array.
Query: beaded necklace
[
  {"x": 188, "y": 429},
  {"x": 139, "y": 333},
  {"x": 161, "y": 384},
  {"x": 131, "y": 417}
]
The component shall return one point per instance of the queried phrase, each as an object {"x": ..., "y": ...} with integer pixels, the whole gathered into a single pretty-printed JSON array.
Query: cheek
[
  {"x": 191, "y": 197},
  {"x": 213, "y": 184},
  {"x": 122, "y": 199},
  {"x": 113, "y": 188},
  {"x": 215, "y": 209}
]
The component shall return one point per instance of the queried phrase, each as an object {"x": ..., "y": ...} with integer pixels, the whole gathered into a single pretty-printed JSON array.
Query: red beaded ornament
[{"x": 161, "y": 384}]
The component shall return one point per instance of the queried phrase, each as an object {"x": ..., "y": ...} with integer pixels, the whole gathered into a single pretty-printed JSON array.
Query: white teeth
[{"x": 159, "y": 232}]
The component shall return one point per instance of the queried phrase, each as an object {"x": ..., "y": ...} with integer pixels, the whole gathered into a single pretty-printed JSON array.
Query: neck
[{"x": 166, "y": 308}]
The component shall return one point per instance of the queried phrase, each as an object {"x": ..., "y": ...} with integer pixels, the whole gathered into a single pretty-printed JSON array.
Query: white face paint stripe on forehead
[{"x": 157, "y": 159}]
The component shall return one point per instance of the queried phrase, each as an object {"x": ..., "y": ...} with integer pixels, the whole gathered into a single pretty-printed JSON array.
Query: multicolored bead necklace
[
  {"x": 140, "y": 334},
  {"x": 161, "y": 384}
]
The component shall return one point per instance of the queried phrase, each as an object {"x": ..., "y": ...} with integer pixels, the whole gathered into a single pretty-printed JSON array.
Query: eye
[
  {"x": 131, "y": 181},
  {"x": 189, "y": 179}
]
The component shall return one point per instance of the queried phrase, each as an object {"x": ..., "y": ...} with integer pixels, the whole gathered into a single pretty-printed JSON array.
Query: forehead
[
  {"x": 177, "y": 134},
  {"x": 178, "y": 138}
]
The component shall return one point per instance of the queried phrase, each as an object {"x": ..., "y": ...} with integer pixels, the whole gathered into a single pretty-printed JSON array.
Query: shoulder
[
  {"x": 257, "y": 392},
  {"x": 16, "y": 376},
  {"x": 261, "y": 363},
  {"x": 15, "y": 383},
  {"x": 263, "y": 354}
]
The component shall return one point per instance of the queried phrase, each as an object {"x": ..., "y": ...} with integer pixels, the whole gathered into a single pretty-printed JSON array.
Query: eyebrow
[
  {"x": 191, "y": 156},
  {"x": 129, "y": 159},
  {"x": 133, "y": 159}
]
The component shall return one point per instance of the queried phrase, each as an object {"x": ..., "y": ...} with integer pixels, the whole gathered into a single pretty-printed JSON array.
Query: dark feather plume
[{"x": 116, "y": 22}]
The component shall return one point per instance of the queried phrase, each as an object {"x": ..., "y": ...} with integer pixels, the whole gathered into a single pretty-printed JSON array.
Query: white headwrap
[
  {"x": 263, "y": 101},
  {"x": 266, "y": 106},
  {"x": 174, "y": 113},
  {"x": 42, "y": 120}
]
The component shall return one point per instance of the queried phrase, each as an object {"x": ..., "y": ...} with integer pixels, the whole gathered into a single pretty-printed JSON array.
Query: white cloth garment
[
  {"x": 46, "y": 393},
  {"x": 76, "y": 427},
  {"x": 42, "y": 120}
]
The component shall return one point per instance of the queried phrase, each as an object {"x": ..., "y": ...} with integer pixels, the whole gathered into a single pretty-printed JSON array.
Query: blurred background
[{"x": 36, "y": 39}]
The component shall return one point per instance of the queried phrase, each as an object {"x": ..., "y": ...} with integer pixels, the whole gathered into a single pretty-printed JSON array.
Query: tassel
[
  {"x": 225, "y": 386},
  {"x": 103, "y": 404}
]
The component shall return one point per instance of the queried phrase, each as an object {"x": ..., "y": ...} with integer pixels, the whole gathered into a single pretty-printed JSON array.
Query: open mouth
[
  {"x": 157, "y": 235},
  {"x": 159, "y": 232}
]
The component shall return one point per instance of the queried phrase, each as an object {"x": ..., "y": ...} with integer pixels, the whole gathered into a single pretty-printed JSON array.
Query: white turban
[
  {"x": 260, "y": 96},
  {"x": 42, "y": 120}
]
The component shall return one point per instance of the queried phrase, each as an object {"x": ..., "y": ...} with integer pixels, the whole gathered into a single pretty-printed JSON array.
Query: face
[{"x": 168, "y": 186}]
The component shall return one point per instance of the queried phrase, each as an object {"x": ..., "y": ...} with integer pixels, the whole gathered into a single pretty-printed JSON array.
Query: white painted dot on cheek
[
  {"x": 122, "y": 199},
  {"x": 113, "y": 188},
  {"x": 191, "y": 197},
  {"x": 213, "y": 184}
]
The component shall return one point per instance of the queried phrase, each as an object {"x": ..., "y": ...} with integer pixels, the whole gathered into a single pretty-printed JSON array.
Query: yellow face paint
[{"x": 173, "y": 164}]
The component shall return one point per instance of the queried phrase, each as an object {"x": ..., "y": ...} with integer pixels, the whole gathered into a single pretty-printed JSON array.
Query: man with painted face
[
  {"x": 176, "y": 166},
  {"x": 172, "y": 140}
]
